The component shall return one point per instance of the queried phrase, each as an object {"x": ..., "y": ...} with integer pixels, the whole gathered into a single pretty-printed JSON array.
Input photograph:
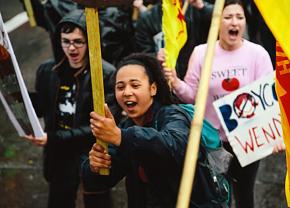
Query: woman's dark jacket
[
  {"x": 63, "y": 148},
  {"x": 150, "y": 23},
  {"x": 159, "y": 147}
]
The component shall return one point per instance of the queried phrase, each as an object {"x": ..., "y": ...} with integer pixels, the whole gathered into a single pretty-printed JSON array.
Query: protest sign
[
  {"x": 251, "y": 119},
  {"x": 13, "y": 92}
]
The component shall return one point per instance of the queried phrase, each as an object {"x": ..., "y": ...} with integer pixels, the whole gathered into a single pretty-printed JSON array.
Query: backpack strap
[{"x": 209, "y": 135}]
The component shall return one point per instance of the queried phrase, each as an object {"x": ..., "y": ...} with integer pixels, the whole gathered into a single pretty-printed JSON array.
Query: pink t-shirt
[{"x": 231, "y": 70}]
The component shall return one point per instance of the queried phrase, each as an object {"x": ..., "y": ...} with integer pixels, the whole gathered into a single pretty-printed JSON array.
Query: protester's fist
[
  {"x": 199, "y": 4},
  {"x": 105, "y": 128},
  {"x": 139, "y": 5},
  {"x": 99, "y": 158},
  {"x": 171, "y": 76},
  {"x": 279, "y": 147}
]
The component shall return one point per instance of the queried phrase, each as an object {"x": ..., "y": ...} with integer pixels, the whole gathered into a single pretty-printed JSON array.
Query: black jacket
[
  {"x": 159, "y": 147},
  {"x": 150, "y": 23},
  {"x": 63, "y": 148},
  {"x": 64, "y": 145}
]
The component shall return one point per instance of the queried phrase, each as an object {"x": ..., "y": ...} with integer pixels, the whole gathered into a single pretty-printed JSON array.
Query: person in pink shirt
[{"x": 237, "y": 62}]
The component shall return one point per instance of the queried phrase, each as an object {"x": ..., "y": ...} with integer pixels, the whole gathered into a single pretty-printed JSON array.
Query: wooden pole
[
  {"x": 92, "y": 20},
  {"x": 201, "y": 97},
  {"x": 185, "y": 6},
  {"x": 135, "y": 14},
  {"x": 93, "y": 30},
  {"x": 29, "y": 10}
]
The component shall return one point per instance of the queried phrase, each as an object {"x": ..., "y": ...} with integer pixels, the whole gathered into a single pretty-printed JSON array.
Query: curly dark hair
[{"x": 154, "y": 72}]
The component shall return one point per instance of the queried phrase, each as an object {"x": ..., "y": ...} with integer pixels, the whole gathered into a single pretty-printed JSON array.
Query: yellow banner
[
  {"x": 276, "y": 14},
  {"x": 174, "y": 30},
  {"x": 282, "y": 89}
]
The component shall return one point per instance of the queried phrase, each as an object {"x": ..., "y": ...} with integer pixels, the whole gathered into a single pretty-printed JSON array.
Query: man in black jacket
[{"x": 63, "y": 98}]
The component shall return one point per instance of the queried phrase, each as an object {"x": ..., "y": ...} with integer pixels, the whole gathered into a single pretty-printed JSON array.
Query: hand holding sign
[{"x": 92, "y": 20}]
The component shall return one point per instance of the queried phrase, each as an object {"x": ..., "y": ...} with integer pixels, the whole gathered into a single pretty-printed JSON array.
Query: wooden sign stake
[
  {"x": 93, "y": 31},
  {"x": 197, "y": 123},
  {"x": 30, "y": 14},
  {"x": 92, "y": 20}
]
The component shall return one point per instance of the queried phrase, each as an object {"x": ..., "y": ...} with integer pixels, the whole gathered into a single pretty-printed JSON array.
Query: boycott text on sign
[{"x": 250, "y": 117}]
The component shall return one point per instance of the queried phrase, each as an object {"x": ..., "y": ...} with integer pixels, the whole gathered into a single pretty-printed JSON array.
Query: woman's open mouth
[
  {"x": 130, "y": 105},
  {"x": 73, "y": 55},
  {"x": 233, "y": 33}
]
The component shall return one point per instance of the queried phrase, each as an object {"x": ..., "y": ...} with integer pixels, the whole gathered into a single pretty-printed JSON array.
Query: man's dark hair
[{"x": 68, "y": 27}]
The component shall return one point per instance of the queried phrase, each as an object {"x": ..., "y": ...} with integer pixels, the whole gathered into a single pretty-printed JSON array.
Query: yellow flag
[
  {"x": 174, "y": 30},
  {"x": 282, "y": 85},
  {"x": 276, "y": 14}
]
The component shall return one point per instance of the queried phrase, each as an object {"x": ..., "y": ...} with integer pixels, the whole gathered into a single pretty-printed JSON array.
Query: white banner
[
  {"x": 250, "y": 116},
  {"x": 13, "y": 92}
]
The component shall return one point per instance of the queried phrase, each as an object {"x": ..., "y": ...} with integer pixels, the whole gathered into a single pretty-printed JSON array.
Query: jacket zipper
[
  {"x": 76, "y": 98},
  {"x": 55, "y": 102}
]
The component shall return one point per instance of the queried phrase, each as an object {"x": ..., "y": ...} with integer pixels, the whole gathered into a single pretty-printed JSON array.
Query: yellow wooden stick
[
  {"x": 92, "y": 19},
  {"x": 185, "y": 6},
  {"x": 201, "y": 97},
  {"x": 28, "y": 6},
  {"x": 135, "y": 14}
]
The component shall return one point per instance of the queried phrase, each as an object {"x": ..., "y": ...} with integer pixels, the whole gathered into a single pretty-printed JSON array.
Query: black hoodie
[
  {"x": 76, "y": 17},
  {"x": 62, "y": 151}
]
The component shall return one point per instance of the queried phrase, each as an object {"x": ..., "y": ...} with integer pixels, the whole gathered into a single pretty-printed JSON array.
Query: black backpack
[{"x": 211, "y": 188}]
